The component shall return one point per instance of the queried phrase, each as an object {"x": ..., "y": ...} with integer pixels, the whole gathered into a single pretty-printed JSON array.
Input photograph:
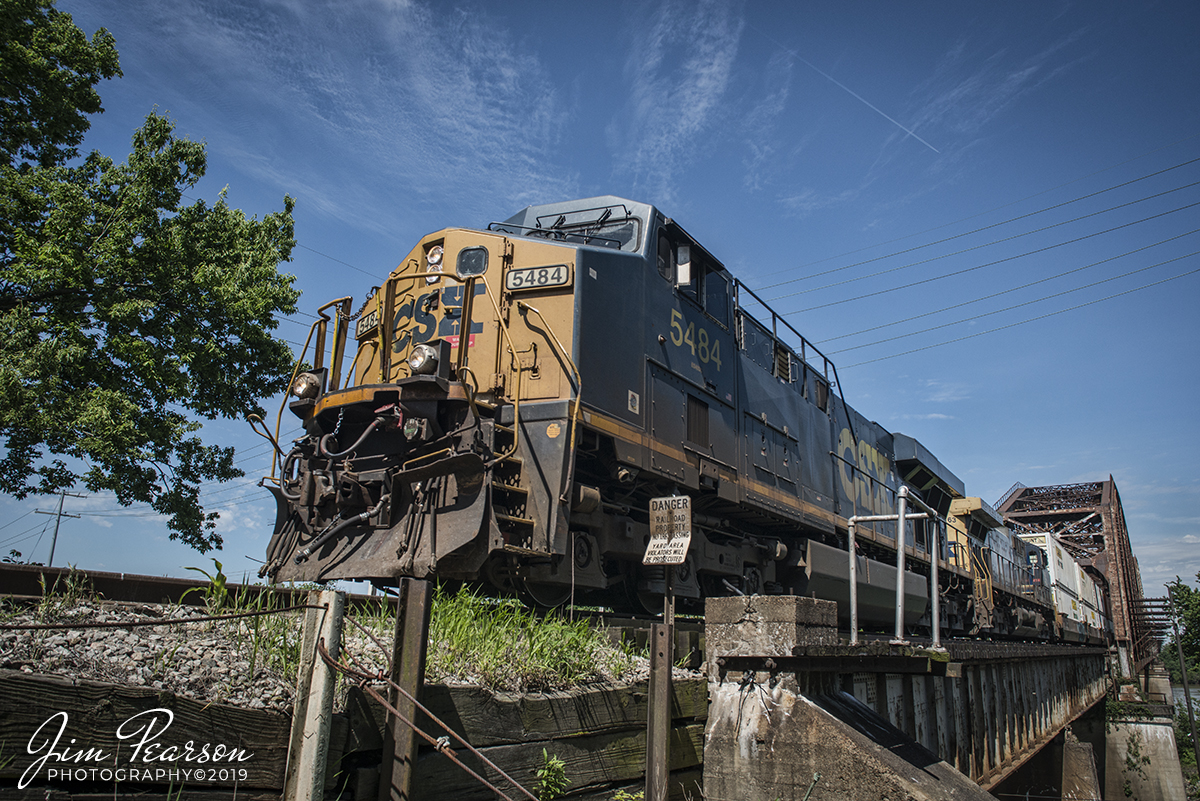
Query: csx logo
[
  {"x": 419, "y": 322},
  {"x": 872, "y": 464}
]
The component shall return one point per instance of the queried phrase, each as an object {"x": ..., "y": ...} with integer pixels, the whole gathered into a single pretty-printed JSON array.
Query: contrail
[{"x": 847, "y": 89}]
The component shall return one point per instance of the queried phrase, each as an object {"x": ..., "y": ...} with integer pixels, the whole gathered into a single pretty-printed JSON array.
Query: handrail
[
  {"x": 827, "y": 363},
  {"x": 318, "y": 327},
  {"x": 523, "y": 306}
]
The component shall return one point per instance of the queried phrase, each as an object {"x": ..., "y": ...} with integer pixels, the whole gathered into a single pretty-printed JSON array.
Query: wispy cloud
[
  {"x": 761, "y": 141},
  {"x": 808, "y": 200},
  {"x": 678, "y": 72},
  {"x": 1161, "y": 561},
  {"x": 965, "y": 93},
  {"x": 946, "y": 391},
  {"x": 391, "y": 103}
]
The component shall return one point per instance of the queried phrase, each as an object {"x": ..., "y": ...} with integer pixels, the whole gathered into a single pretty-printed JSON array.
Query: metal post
[
  {"x": 57, "y": 522},
  {"x": 901, "y": 525},
  {"x": 308, "y": 751},
  {"x": 408, "y": 670},
  {"x": 658, "y": 716},
  {"x": 853, "y": 583},
  {"x": 1187, "y": 693},
  {"x": 934, "y": 555}
]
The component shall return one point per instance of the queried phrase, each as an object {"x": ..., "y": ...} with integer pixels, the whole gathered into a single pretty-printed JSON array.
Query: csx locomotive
[{"x": 517, "y": 395}]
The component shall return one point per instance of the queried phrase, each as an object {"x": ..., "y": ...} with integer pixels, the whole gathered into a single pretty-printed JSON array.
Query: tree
[
  {"x": 1185, "y": 604},
  {"x": 124, "y": 316}
]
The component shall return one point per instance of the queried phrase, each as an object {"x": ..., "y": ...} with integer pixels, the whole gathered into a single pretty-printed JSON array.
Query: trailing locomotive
[{"x": 518, "y": 394}]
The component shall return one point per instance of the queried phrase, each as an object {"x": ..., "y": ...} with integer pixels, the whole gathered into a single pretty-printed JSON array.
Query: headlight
[
  {"x": 306, "y": 385},
  {"x": 434, "y": 259},
  {"x": 423, "y": 360}
]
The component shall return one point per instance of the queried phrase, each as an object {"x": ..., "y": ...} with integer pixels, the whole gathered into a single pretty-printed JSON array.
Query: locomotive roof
[
  {"x": 909, "y": 449},
  {"x": 529, "y": 215},
  {"x": 583, "y": 211}
]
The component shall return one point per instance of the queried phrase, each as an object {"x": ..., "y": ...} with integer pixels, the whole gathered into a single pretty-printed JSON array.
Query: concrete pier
[{"x": 1142, "y": 762}]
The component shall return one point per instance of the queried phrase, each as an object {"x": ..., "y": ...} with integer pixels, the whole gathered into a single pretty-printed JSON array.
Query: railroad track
[
  {"x": 27, "y": 582},
  {"x": 30, "y": 581}
]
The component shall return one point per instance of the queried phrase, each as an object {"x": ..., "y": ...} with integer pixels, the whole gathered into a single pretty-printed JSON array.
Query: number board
[
  {"x": 537, "y": 277},
  {"x": 366, "y": 323},
  {"x": 670, "y": 530}
]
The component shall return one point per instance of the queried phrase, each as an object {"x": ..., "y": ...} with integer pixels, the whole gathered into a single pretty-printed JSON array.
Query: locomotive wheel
[
  {"x": 500, "y": 573},
  {"x": 642, "y": 602},
  {"x": 542, "y": 596}
]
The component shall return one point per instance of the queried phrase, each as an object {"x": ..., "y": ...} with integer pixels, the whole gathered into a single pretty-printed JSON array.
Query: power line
[
  {"x": 14, "y": 537},
  {"x": 984, "y": 245},
  {"x": 1015, "y": 306},
  {"x": 1023, "y": 322},
  {"x": 12, "y": 542},
  {"x": 339, "y": 261},
  {"x": 979, "y": 214},
  {"x": 991, "y": 263},
  {"x": 140, "y": 506},
  {"x": 1008, "y": 291},
  {"x": 42, "y": 533},
  {"x": 144, "y": 512},
  {"x": 14, "y": 520}
]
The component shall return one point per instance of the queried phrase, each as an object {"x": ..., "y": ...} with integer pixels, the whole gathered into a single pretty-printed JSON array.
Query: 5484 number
[{"x": 703, "y": 345}]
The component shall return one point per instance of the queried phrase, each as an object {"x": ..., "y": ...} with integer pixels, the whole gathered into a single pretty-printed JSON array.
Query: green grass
[
  {"x": 67, "y": 592},
  {"x": 269, "y": 641},
  {"x": 501, "y": 645}
]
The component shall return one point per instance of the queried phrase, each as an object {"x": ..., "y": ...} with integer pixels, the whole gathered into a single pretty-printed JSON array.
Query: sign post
[{"x": 670, "y": 538}]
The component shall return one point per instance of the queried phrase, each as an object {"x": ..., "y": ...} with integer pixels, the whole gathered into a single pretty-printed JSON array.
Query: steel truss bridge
[{"x": 1087, "y": 519}]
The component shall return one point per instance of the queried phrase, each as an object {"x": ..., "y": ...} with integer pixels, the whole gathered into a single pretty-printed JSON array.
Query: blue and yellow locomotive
[{"x": 518, "y": 394}]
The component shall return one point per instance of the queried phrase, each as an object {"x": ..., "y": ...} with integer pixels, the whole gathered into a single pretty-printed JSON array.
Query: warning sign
[{"x": 670, "y": 530}]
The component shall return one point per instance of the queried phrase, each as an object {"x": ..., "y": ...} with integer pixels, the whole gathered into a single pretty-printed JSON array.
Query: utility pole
[
  {"x": 1176, "y": 613},
  {"x": 58, "y": 521}
]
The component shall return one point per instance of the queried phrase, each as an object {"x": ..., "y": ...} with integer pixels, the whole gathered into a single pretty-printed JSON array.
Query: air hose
[{"x": 334, "y": 529}]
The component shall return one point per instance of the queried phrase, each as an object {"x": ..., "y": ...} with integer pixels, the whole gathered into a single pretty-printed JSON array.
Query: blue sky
[{"x": 985, "y": 213}]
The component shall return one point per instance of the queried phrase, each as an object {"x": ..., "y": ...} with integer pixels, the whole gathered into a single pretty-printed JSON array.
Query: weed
[
  {"x": 216, "y": 594},
  {"x": 67, "y": 592},
  {"x": 1135, "y": 762},
  {"x": 551, "y": 777},
  {"x": 625, "y": 795},
  {"x": 268, "y": 641}
]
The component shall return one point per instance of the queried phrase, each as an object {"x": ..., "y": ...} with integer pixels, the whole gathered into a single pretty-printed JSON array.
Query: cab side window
[
  {"x": 706, "y": 285},
  {"x": 666, "y": 257},
  {"x": 716, "y": 296}
]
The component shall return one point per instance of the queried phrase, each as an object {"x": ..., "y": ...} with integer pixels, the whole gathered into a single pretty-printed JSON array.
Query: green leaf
[{"x": 125, "y": 317}]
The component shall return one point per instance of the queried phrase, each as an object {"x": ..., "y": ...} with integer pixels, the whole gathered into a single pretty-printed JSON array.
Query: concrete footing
[
  {"x": 773, "y": 742},
  {"x": 793, "y": 736},
  {"x": 1142, "y": 761},
  {"x": 1080, "y": 781}
]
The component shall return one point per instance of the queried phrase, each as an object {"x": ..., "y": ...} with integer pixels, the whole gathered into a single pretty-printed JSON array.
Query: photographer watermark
[{"x": 151, "y": 759}]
